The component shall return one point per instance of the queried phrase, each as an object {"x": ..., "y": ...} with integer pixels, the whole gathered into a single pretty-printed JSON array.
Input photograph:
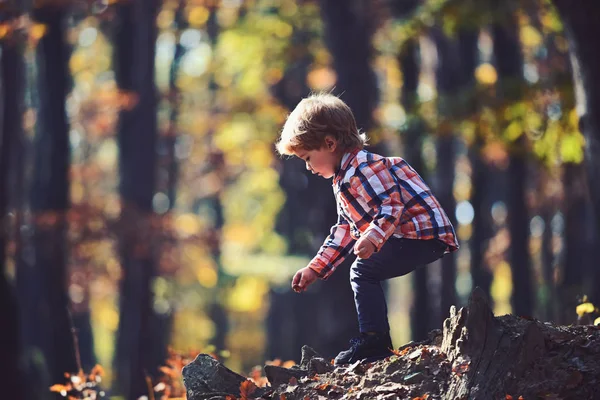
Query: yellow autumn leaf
[
  {"x": 187, "y": 224},
  {"x": 585, "y": 308},
  {"x": 248, "y": 294},
  {"x": 207, "y": 277},
  {"x": 38, "y": 31},
  {"x": 530, "y": 36},
  {"x": 571, "y": 148},
  {"x": 513, "y": 131},
  {"x": 486, "y": 74},
  {"x": 4, "y": 29},
  {"x": 597, "y": 321},
  {"x": 165, "y": 18},
  {"x": 198, "y": 16}
]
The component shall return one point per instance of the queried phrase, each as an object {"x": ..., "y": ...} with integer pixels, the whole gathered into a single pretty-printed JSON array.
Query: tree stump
[
  {"x": 495, "y": 356},
  {"x": 477, "y": 356}
]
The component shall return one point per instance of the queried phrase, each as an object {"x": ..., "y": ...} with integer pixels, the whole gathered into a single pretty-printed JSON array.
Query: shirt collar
[{"x": 344, "y": 163}]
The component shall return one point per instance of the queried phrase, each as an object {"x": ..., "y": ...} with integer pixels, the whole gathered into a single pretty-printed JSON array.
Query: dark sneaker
[{"x": 367, "y": 348}]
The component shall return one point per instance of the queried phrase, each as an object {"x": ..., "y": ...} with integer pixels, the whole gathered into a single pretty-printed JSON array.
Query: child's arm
[
  {"x": 375, "y": 184},
  {"x": 334, "y": 250}
]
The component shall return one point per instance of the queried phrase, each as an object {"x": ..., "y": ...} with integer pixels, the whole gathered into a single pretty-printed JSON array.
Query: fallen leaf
[
  {"x": 60, "y": 388},
  {"x": 246, "y": 389}
]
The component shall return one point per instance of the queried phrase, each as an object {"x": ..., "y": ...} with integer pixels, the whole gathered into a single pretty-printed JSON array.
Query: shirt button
[{"x": 380, "y": 240}]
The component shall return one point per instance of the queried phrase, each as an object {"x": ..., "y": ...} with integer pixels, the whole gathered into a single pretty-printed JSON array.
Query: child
[{"x": 387, "y": 215}]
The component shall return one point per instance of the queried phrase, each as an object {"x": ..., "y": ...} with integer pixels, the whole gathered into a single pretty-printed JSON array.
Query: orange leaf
[
  {"x": 247, "y": 388},
  {"x": 167, "y": 371},
  {"x": 97, "y": 370},
  {"x": 59, "y": 388},
  {"x": 509, "y": 397}
]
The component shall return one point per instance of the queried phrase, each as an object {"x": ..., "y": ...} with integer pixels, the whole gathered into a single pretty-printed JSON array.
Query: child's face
[{"x": 324, "y": 161}]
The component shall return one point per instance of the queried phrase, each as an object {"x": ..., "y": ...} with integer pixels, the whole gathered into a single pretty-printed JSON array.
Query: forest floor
[{"x": 475, "y": 356}]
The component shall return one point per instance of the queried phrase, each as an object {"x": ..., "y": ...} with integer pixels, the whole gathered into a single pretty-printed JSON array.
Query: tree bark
[
  {"x": 11, "y": 72},
  {"x": 509, "y": 63},
  {"x": 139, "y": 328}
]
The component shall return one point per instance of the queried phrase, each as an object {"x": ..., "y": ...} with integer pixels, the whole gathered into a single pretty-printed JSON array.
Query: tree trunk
[
  {"x": 12, "y": 110},
  {"x": 348, "y": 36},
  {"x": 421, "y": 309},
  {"x": 482, "y": 221},
  {"x": 449, "y": 73},
  {"x": 139, "y": 328},
  {"x": 216, "y": 310},
  {"x": 287, "y": 310},
  {"x": 580, "y": 20},
  {"x": 573, "y": 283},
  {"x": 509, "y": 63},
  {"x": 42, "y": 279},
  {"x": 412, "y": 132}
]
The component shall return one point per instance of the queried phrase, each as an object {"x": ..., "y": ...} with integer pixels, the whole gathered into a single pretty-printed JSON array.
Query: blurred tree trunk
[
  {"x": 481, "y": 184},
  {"x": 412, "y": 140},
  {"x": 572, "y": 285},
  {"x": 349, "y": 28},
  {"x": 482, "y": 221},
  {"x": 348, "y": 33},
  {"x": 413, "y": 143},
  {"x": 298, "y": 221},
  {"x": 509, "y": 63},
  {"x": 11, "y": 104},
  {"x": 216, "y": 163},
  {"x": 457, "y": 59},
  {"x": 137, "y": 350},
  {"x": 550, "y": 306},
  {"x": 42, "y": 276},
  {"x": 581, "y": 24},
  {"x": 580, "y": 20}
]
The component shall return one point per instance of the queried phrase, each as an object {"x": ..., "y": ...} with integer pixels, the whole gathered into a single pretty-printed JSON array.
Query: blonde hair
[{"x": 314, "y": 118}]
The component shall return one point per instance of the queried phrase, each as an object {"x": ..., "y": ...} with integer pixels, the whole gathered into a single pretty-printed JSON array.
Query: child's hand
[
  {"x": 363, "y": 248},
  {"x": 303, "y": 278}
]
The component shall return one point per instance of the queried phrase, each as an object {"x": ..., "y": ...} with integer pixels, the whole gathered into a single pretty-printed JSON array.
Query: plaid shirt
[{"x": 379, "y": 197}]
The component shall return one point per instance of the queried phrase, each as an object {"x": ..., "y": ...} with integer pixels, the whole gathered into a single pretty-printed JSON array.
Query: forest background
[{"x": 144, "y": 207}]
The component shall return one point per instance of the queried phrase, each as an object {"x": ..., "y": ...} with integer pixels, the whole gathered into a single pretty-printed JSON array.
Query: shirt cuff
[
  {"x": 376, "y": 236},
  {"x": 320, "y": 269}
]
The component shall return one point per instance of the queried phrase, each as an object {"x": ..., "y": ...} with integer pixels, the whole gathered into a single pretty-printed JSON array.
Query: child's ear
[{"x": 330, "y": 143}]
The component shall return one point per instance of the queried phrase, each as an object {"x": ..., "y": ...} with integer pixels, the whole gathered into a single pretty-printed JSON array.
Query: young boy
[{"x": 387, "y": 215}]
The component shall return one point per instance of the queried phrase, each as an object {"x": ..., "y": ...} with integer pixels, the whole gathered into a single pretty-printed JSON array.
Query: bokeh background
[{"x": 144, "y": 207}]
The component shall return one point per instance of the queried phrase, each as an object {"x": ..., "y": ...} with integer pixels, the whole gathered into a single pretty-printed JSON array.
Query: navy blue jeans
[{"x": 397, "y": 257}]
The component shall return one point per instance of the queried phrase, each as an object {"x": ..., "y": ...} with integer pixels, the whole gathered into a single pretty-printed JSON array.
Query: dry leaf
[{"x": 246, "y": 389}]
